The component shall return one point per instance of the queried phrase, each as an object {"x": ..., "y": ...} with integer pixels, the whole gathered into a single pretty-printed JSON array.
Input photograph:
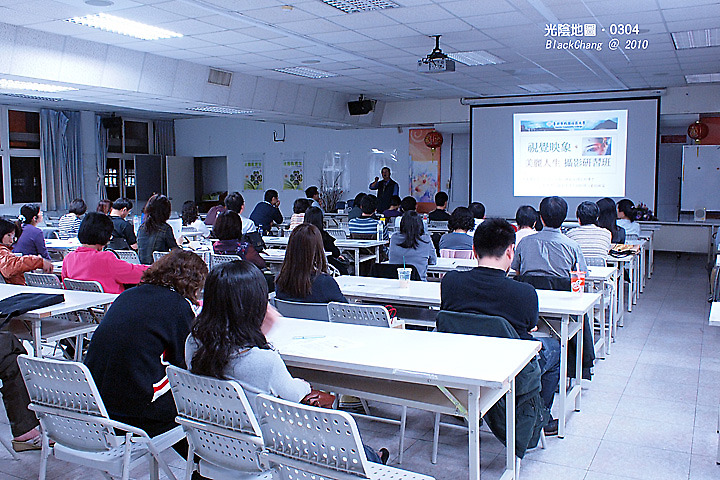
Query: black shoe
[
  {"x": 384, "y": 455},
  {"x": 551, "y": 429}
]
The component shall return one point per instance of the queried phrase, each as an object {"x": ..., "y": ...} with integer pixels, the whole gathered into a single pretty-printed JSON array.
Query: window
[
  {"x": 124, "y": 142},
  {"x": 24, "y": 129},
  {"x": 26, "y": 179},
  {"x": 21, "y": 171}
]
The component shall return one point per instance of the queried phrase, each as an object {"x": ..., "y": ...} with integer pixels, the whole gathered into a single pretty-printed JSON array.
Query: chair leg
[
  {"x": 365, "y": 406},
  {"x": 403, "y": 421},
  {"x": 8, "y": 447},
  {"x": 190, "y": 465},
  {"x": 436, "y": 439},
  {"x": 127, "y": 457},
  {"x": 44, "y": 454},
  {"x": 542, "y": 439},
  {"x": 154, "y": 469}
]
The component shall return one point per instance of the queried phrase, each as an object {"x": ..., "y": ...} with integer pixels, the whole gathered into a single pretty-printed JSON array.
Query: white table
[
  {"x": 630, "y": 263},
  {"x": 74, "y": 301},
  {"x": 62, "y": 246},
  {"x": 343, "y": 244},
  {"x": 440, "y": 372},
  {"x": 715, "y": 314},
  {"x": 563, "y": 305},
  {"x": 595, "y": 281}
]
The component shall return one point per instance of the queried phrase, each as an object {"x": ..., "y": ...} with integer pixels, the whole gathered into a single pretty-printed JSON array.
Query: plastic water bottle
[
  {"x": 379, "y": 230},
  {"x": 136, "y": 223}
]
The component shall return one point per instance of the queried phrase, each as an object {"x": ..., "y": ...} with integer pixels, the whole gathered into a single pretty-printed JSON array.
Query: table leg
[
  {"x": 510, "y": 463},
  {"x": 563, "y": 373},
  {"x": 603, "y": 324},
  {"x": 651, "y": 256},
  {"x": 631, "y": 284},
  {"x": 474, "y": 432},
  {"x": 357, "y": 261},
  {"x": 577, "y": 386},
  {"x": 621, "y": 296},
  {"x": 37, "y": 346}
]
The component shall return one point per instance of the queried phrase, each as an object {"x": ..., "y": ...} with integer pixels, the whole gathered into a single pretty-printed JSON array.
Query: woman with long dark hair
[
  {"x": 608, "y": 219},
  {"x": 155, "y": 235},
  {"x": 411, "y": 246},
  {"x": 627, "y": 216},
  {"x": 228, "y": 341},
  {"x": 31, "y": 241},
  {"x": 228, "y": 231},
  {"x": 303, "y": 276},
  {"x": 314, "y": 215},
  {"x": 191, "y": 218}
]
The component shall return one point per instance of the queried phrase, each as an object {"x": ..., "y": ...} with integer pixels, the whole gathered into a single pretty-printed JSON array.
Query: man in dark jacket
[
  {"x": 267, "y": 212},
  {"x": 386, "y": 188}
]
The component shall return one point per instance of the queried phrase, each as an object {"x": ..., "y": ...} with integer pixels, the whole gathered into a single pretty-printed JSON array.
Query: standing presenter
[{"x": 387, "y": 187}]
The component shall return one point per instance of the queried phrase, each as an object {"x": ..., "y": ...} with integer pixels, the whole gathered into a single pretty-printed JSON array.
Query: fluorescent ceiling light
[
  {"x": 353, "y": 6},
  {"x": 123, "y": 26},
  {"x": 217, "y": 109},
  {"x": 538, "y": 87},
  {"x": 703, "y": 78},
  {"x": 707, "y": 37},
  {"x": 6, "y": 84},
  {"x": 404, "y": 95},
  {"x": 30, "y": 97},
  {"x": 480, "y": 57},
  {"x": 306, "y": 72}
]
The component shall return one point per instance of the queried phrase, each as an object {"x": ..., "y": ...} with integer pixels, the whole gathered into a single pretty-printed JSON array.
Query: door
[
  {"x": 148, "y": 177},
  {"x": 180, "y": 173}
]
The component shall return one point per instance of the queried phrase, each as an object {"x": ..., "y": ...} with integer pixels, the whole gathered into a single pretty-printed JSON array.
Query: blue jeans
[{"x": 549, "y": 368}]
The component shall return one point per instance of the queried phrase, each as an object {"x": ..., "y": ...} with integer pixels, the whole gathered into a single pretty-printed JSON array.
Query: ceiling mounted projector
[
  {"x": 361, "y": 106},
  {"x": 436, "y": 61}
]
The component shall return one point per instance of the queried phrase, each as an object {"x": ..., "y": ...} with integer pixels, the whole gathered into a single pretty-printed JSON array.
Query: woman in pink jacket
[{"x": 91, "y": 262}]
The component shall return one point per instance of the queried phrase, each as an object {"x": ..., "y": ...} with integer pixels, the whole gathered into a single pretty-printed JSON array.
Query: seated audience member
[
  {"x": 366, "y": 224},
  {"x": 236, "y": 202},
  {"x": 315, "y": 216},
  {"x": 104, "y": 206},
  {"x": 526, "y": 218},
  {"x": 191, "y": 218},
  {"x": 407, "y": 204},
  {"x": 12, "y": 267},
  {"x": 228, "y": 341},
  {"x": 123, "y": 235},
  {"x": 267, "y": 212},
  {"x": 440, "y": 213},
  {"x": 91, "y": 262},
  {"x": 394, "y": 208},
  {"x": 549, "y": 252},
  {"x": 155, "y": 235},
  {"x": 31, "y": 241},
  {"x": 478, "y": 211},
  {"x": 143, "y": 331},
  {"x": 608, "y": 219},
  {"x": 23, "y": 422},
  {"x": 299, "y": 207},
  {"x": 313, "y": 194},
  {"x": 487, "y": 290},
  {"x": 70, "y": 222},
  {"x": 356, "y": 211},
  {"x": 627, "y": 219},
  {"x": 215, "y": 210},
  {"x": 461, "y": 221},
  {"x": 411, "y": 246},
  {"x": 593, "y": 240},
  {"x": 303, "y": 276},
  {"x": 228, "y": 230}
]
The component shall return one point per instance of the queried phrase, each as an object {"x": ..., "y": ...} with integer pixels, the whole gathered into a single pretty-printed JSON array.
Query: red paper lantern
[
  {"x": 697, "y": 131},
  {"x": 434, "y": 139}
]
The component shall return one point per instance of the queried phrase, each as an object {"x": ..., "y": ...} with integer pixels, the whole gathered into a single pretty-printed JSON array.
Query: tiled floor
[{"x": 650, "y": 411}]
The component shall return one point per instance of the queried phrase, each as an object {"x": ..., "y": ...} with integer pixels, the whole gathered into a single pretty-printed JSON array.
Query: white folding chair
[
  {"x": 220, "y": 427},
  {"x": 47, "y": 280},
  {"x": 310, "y": 442},
  {"x": 129, "y": 256},
  {"x": 337, "y": 233},
  {"x": 67, "y": 403},
  {"x": 373, "y": 316},
  {"x": 217, "y": 259},
  {"x": 91, "y": 314},
  {"x": 310, "y": 311},
  {"x": 158, "y": 255},
  {"x": 449, "y": 253}
]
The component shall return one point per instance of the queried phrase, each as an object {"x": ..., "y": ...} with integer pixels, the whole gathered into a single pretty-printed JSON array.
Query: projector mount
[{"x": 436, "y": 61}]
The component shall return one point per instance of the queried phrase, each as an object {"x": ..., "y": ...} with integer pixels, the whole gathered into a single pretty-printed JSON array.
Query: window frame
[{"x": 6, "y": 152}]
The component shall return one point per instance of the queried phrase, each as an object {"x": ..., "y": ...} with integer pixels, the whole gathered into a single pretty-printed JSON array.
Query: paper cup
[
  {"x": 577, "y": 281},
  {"x": 404, "y": 276}
]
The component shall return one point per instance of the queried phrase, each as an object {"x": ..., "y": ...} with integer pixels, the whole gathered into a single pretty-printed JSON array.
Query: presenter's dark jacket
[{"x": 385, "y": 191}]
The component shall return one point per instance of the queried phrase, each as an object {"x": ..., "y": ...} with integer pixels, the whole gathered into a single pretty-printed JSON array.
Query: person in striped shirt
[
  {"x": 594, "y": 241},
  {"x": 366, "y": 223},
  {"x": 69, "y": 223}
]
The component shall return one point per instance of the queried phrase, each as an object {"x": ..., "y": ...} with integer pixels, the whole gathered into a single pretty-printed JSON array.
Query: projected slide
[{"x": 571, "y": 154}]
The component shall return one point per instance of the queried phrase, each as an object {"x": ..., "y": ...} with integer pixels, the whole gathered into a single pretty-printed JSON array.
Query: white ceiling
[{"x": 375, "y": 53}]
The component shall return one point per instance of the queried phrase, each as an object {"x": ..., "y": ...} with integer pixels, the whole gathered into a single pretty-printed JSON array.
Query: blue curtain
[
  {"x": 101, "y": 148},
  {"x": 61, "y": 155},
  {"x": 164, "y": 137}
]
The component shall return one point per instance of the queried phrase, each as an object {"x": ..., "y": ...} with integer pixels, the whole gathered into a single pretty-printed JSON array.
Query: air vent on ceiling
[
  {"x": 31, "y": 97},
  {"x": 354, "y": 6},
  {"x": 219, "y": 77}
]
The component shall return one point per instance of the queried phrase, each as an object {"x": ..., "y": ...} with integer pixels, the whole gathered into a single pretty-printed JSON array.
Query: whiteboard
[{"x": 700, "y": 178}]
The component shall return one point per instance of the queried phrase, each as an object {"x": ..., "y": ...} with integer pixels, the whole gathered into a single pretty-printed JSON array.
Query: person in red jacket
[
  {"x": 12, "y": 267},
  {"x": 91, "y": 262}
]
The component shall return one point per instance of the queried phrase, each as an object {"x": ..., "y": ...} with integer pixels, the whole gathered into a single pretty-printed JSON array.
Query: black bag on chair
[{"x": 24, "y": 302}]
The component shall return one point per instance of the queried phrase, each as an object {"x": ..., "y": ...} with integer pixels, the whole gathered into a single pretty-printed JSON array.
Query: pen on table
[{"x": 302, "y": 337}]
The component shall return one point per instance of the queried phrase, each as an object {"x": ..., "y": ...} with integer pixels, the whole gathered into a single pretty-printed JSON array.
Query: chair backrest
[
  {"x": 310, "y": 311},
  {"x": 389, "y": 270},
  {"x": 83, "y": 285},
  {"x": 129, "y": 256},
  {"x": 372, "y": 315},
  {"x": 363, "y": 236},
  {"x": 337, "y": 233},
  {"x": 438, "y": 224},
  {"x": 333, "y": 271},
  {"x": 595, "y": 261},
  {"x": 325, "y": 440},
  {"x": 47, "y": 280},
  {"x": 158, "y": 255},
  {"x": 217, "y": 259},
  {"x": 450, "y": 253},
  {"x": 203, "y": 403},
  {"x": 474, "y": 324},
  {"x": 545, "y": 282},
  {"x": 67, "y": 403}
]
